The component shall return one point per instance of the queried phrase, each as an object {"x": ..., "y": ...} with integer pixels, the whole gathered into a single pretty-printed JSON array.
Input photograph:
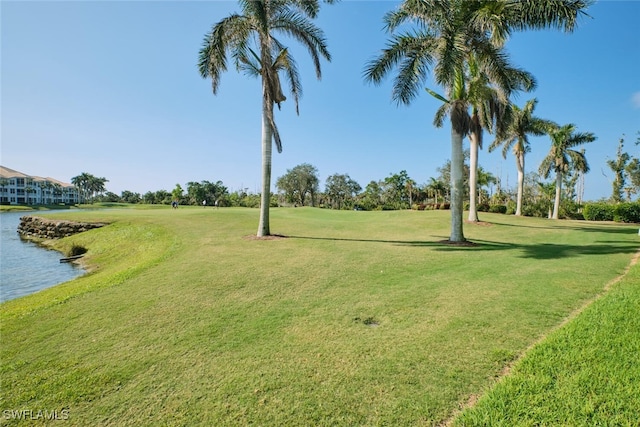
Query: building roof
[
  {"x": 10, "y": 173},
  {"x": 6, "y": 172}
]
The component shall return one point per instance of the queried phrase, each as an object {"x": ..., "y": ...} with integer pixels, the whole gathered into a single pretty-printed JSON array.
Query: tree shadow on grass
[
  {"x": 554, "y": 251},
  {"x": 610, "y": 228},
  {"x": 535, "y": 250}
]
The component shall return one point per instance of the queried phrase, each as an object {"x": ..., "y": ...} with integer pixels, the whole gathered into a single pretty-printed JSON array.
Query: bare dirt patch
[
  {"x": 479, "y": 223},
  {"x": 466, "y": 243},
  {"x": 270, "y": 237}
]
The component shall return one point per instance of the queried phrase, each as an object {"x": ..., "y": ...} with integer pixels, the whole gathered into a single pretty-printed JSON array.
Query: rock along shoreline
[{"x": 41, "y": 228}]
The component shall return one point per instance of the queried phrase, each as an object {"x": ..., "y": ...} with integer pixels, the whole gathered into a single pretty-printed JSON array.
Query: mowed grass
[
  {"x": 354, "y": 318},
  {"x": 585, "y": 374}
]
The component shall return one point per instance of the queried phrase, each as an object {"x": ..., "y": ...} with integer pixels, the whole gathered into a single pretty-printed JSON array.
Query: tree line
[{"x": 301, "y": 186}]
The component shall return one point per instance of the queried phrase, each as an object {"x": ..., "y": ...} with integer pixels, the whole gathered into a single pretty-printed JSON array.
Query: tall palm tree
[
  {"x": 82, "y": 182},
  {"x": 489, "y": 101},
  {"x": 443, "y": 38},
  {"x": 448, "y": 33},
  {"x": 520, "y": 124},
  {"x": 562, "y": 158},
  {"x": 249, "y": 39}
]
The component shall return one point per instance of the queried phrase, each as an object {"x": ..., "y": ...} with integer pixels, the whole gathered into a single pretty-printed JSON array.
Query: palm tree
[
  {"x": 448, "y": 34},
  {"x": 436, "y": 188},
  {"x": 562, "y": 158},
  {"x": 520, "y": 124},
  {"x": 82, "y": 182},
  {"x": 485, "y": 179},
  {"x": 619, "y": 166},
  {"x": 489, "y": 103},
  {"x": 444, "y": 38},
  {"x": 267, "y": 59},
  {"x": 96, "y": 186}
]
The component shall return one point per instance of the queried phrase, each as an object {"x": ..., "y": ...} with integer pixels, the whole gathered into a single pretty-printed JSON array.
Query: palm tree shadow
[
  {"x": 542, "y": 251},
  {"x": 441, "y": 244},
  {"x": 554, "y": 251}
]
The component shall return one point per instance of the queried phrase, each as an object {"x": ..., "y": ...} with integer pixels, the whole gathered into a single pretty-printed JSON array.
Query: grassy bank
[
  {"x": 355, "y": 318},
  {"x": 585, "y": 374}
]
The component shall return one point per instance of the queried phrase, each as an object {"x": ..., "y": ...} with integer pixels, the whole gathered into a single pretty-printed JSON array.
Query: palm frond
[
  {"x": 441, "y": 113},
  {"x": 286, "y": 63},
  {"x": 229, "y": 34},
  {"x": 411, "y": 54},
  {"x": 437, "y": 95},
  {"x": 546, "y": 166},
  {"x": 301, "y": 29},
  {"x": 545, "y": 14},
  {"x": 249, "y": 64}
]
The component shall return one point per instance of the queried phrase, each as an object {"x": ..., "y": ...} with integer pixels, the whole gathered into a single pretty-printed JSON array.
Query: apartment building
[{"x": 17, "y": 188}]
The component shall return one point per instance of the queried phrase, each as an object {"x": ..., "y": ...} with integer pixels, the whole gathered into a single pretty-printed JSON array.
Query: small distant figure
[
  {"x": 204, "y": 203},
  {"x": 174, "y": 204},
  {"x": 216, "y": 204}
]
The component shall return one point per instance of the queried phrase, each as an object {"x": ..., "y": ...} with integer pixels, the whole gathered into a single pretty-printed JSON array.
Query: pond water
[{"x": 26, "y": 267}]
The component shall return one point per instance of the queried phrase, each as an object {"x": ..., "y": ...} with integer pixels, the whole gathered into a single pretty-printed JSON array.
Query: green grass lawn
[
  {"x": 355, "y": 318},
  {"x": 585, "y": 374}
]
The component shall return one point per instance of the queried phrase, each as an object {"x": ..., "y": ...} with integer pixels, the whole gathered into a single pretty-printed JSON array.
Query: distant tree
[
  {"x": 177, "y": 193},
  {"x": 515, "y": 136},
  {"x": 484, "y": 179},
  {"x": 149, "y": 198},
  {"x": 195, "y": 193},
  {"x": 109, "y": 197},
  {"x": 444, "y": 175},
  {"x": 394, "y": 191},
  {"x": 371, "y": 197},
  {"x": 89, "y": 186},
  {"x": 215, "y": 192},
  {"x": 437, "y": 189},
  {"x": 257, "y": 26},
  {"x": 341, "y": 191},
  {"x": 623, "y": 167},
  {"x": 81, "y": 182},
  {"x": 633, "y": 172},
  {"x": 298, "y": 183},
  {"x": 97, "y": 186},
  {"x": 562, "y": 158},
  {"x": 411, "y": 189},
  {"x": 130, "y": 197},
  {"x": 163, "y": 197}
]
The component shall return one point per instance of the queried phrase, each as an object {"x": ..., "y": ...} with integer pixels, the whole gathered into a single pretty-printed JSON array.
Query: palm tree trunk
[
  {"x": 473, "y": 177},
  {"x": 556, "y": 203},
  {"x": 267, "y": 136},
  {"x": 520, "y": 164},
  {"x": 457, "y": 186}
]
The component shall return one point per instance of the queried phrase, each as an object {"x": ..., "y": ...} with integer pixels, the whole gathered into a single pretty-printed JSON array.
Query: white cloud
[{"x": 635, "y": 99}]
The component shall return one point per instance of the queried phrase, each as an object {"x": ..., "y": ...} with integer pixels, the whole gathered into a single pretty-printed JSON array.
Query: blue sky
[{"x": 111, "y": 88}]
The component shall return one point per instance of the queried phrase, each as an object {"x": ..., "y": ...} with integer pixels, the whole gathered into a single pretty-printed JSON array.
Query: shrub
[
  {"x": 511, "y": 207},
  {"x": 498, "y": 209},
  {"x": 77, "y": 250},
  {"x": 571, "y": 210},
  {"x": 483, "y": 207},
  {"x": 627, "y": 212},
  {"x": 598, "y": 212},
  {"x": 539, "y": 209}
]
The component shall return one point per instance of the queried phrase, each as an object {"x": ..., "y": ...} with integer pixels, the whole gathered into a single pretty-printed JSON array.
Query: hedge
[{"x": 623, "y": 212}]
